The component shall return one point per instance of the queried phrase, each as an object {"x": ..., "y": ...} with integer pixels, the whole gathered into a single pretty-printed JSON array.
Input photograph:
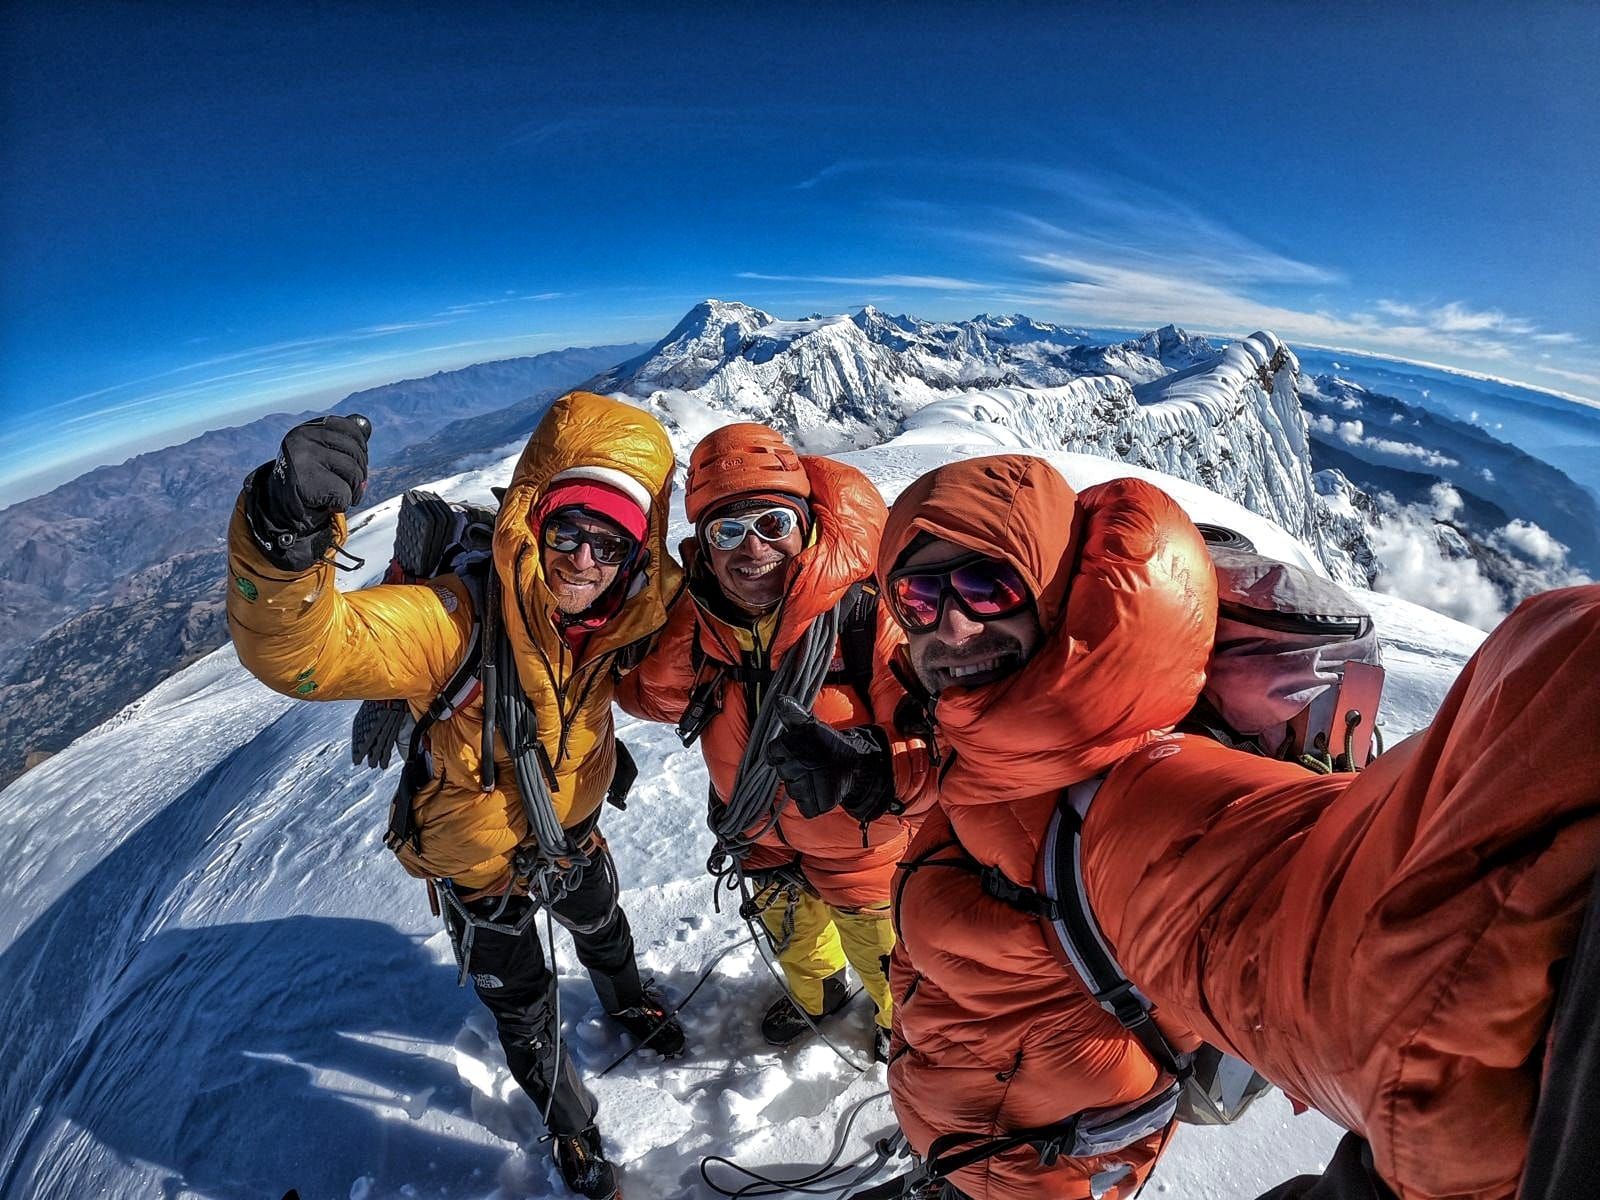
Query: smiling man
[
  {"x": 783, "y": 548},
  {"x": 579, "y": 584},
  {"x": 1388, "y": 945},
  {"x": 1022, "y": 600}
]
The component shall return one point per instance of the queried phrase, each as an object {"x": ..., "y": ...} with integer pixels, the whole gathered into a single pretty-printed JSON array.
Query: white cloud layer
[
  {"x": 1095, "y": 248},
  {"x": 1424, "y": 558}
]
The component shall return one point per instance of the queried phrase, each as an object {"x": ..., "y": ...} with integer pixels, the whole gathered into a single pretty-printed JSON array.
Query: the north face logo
[{"x": 485, "y": 980}]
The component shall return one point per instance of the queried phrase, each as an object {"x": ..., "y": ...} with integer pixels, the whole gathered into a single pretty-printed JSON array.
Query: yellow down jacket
[{"x": 302, "y": 637}]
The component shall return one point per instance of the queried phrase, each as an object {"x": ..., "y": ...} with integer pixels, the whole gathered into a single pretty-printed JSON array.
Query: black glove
[
  {"x": 622, "y": 779},
  {"x": 321, "y": 470},
  {"x": 824, "y": 768},
  {"x": 379, "y": 728}
]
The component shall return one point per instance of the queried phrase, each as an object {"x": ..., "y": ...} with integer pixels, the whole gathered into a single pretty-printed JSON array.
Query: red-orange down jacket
[
  {"x": 991, "y": 1033},
  {"x": 1384, "y": 946},
  {"x": 849, "y": 517}
]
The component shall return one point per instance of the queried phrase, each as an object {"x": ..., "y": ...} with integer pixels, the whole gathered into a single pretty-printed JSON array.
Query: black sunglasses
[
  {"x": 986, "y": 589},
  {"x": 609, "y": 549}
]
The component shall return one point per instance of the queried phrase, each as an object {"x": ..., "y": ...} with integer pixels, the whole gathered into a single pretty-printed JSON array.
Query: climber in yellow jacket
[{"x": 580, "y": 584}]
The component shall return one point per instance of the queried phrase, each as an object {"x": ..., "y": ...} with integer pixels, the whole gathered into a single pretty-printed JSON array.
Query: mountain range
[
  {"x": 108, "y": 583},
  {"x": 221, "y": 985}
]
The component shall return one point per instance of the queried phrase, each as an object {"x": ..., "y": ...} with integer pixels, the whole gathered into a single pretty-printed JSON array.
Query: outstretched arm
[{"x": 292, "y": 628}]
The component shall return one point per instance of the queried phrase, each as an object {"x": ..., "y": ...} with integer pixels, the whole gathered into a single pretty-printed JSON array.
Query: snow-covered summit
[
  {"x": 847, "y": 379},
  {"x": 1174, "y": 348},
  {"x": 697, "y": 345}
]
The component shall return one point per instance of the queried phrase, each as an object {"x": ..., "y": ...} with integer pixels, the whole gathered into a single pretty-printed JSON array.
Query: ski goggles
[
  {"x": 770, "y": 525},
  {"x": 609, "y": 549},
  {"x": 984, "y": 588}
]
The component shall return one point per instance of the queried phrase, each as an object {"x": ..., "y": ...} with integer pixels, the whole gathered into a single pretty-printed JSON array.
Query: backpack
[
  {"x": 1296, "y": 671},
  {"x": 432, "y": 537}
]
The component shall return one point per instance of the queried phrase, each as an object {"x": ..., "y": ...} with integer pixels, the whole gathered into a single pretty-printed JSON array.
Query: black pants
[
  {"x": 512, "y": 979},
  {"x": 1564, "y": 1147},
  {"x": 1350, "y": 1176}
]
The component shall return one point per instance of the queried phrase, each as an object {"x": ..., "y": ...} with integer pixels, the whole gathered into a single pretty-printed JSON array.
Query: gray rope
[{"x": 755, "y": 788}]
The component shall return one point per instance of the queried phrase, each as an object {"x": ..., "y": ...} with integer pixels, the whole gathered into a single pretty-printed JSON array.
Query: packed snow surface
[{"x": 219, "y": 984}]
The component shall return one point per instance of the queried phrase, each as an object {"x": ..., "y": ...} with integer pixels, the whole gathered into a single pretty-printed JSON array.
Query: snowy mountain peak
[
  {"x": 1166, "y": 400},
  {"x": 1174, "y": 348},
  {"x": 708, "y": 333}
]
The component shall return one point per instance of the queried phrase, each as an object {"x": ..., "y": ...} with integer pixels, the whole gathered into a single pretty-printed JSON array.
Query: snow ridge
[{"x": 1230, "y": 422}]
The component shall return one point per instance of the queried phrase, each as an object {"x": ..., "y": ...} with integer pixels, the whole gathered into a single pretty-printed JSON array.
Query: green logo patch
[
  {"x": 246, "y": 588},
  {"x": 306, "y": 688}
]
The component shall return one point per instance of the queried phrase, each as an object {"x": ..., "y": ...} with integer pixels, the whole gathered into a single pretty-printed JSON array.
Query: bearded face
[{"x": 964, "y": 648}]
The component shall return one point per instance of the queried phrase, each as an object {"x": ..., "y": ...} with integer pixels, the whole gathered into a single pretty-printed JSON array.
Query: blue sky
[{"x": 208, "y": 213}]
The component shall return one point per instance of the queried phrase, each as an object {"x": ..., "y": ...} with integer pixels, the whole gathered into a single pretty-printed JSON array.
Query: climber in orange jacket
[
  {"x": 1385, "y": 946},
  {"x": 986, "y": 563},
  {"x": 782, "y": 545}
]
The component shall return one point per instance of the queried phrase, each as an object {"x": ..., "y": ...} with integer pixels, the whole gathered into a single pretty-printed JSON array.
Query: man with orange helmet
[{"x": 776, "y": 664}]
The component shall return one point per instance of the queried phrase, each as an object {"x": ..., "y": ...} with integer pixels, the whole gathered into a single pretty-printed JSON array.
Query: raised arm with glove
[{"x": 321, "y": 469}]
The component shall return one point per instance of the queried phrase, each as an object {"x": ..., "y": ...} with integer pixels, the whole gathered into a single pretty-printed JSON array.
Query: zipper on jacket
[
  {"x": 593, "y": 667},
  {"x": 916, "y": 981}
]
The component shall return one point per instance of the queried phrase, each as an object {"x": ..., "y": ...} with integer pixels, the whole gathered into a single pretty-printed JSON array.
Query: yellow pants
[{"x": 821, "y": 939}]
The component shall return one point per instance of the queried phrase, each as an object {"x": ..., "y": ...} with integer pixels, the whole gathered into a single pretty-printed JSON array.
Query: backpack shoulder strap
[
  {"x": 858, "y": 637},
  {"x": 1073, "y": 927},
  {"x": 457, "y": 692}
]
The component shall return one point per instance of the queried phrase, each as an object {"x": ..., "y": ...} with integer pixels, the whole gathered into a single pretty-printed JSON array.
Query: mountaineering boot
[
  {"x": 583, "y": 1165},
  {"x": 651, "y": 1026},
  {"x": 880, "y": 1044},
  {"x": 785, "y": 1022}
]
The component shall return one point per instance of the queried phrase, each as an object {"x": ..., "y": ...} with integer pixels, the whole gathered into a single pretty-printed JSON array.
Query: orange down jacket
[
  {"x": 991, "y": 1033},
  {"x": 1384, "y": 946},
  {"x": 301, "y": 636},
  {"x": 849, "y": 517}
]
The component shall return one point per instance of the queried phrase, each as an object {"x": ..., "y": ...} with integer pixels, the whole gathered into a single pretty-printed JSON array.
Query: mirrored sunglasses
[
  {"x": 984, "y": 588},
  {"x": 608, "y": 548},
  {"x": 770, "y": 525}
]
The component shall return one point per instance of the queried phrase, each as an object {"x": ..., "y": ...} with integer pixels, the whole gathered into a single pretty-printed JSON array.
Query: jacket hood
[
  {"x": 582, "y": 430},
  {"x": 1011, "y": 506},
  {"x": 1127, "y": 603}
]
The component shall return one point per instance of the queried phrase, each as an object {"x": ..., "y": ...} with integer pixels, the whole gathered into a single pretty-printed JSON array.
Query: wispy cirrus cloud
[
  {"x": 1095, "y": 247},
  {"x": 840, "y": 169},
  {"x": 1456, "y": 317},
  {"x": 942, "y": 283},
  {"x": 291, "y": 359},
  {"x": 458, "y": 310}
]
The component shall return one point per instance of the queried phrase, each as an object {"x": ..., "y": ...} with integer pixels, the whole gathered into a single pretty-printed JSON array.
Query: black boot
[
  {"x": 784, "y": 1022},
  {"x": 651, "y": 1025},
  {"x": 583, "y": 1165}
]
